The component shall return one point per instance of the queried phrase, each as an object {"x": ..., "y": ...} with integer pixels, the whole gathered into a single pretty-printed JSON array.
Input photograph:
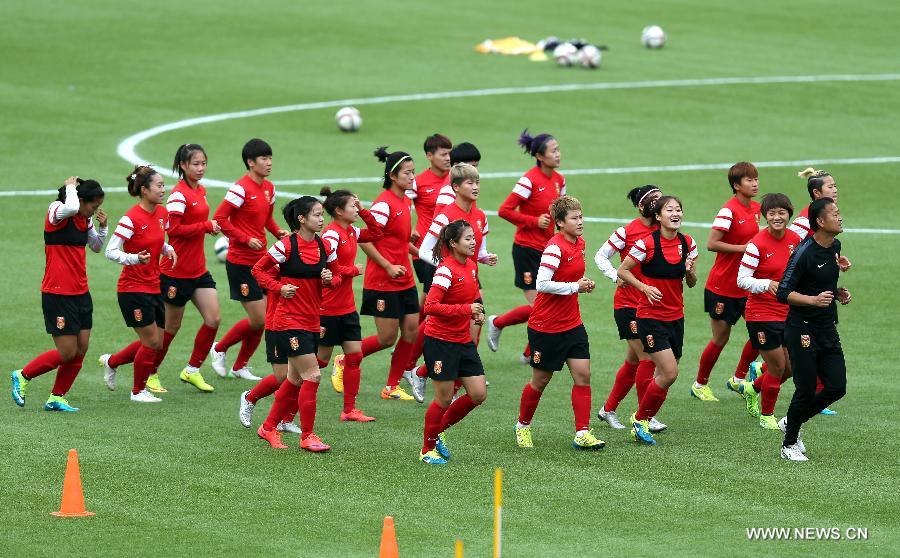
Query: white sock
[{"x": 190, "y": 369}]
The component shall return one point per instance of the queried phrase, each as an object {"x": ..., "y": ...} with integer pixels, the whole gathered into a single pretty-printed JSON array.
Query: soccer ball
[
  {"x": 653, "y": 36},
  {"x": 565, "y": 54},
  {"x": 590, "y": 56},
  {"x": 221, "y": 248},
  {"x": 348, "y": 119}
]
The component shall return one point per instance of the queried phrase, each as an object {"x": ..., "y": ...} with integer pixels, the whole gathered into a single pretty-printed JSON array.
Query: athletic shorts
[
  {"x": 448, "y": 361},
  {"x": 273, "y": 356},
  {"x": 334, "y": 330},
  {"x": 295, "y": 342},
  {"x": 244, "y": 287},
  {"x": 389, "y": 304},
  {"x": 526, "y": 262},
  {"x": 178, "y": 292},
  {"x": 657, "y": 335},
  {"x": 766, "y": 336},
  {"x": 550, "y": 351},
  {"x": 626, "y": 322},
  {"x": 67, "y": 314},
  {"x": 725, "y": 308},
  {"x": 424, "y": 273},
  {"x": 142, "y": 309}
]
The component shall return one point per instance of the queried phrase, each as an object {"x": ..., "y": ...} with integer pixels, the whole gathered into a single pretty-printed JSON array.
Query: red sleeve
[
  {"x": 177, "y": 230},
  {"x": 434, "y": 306},
  {"x": 337, "y": 276},
  {"x": 373, "y": 231},
  {"x": 510, "y": 211},
  {"x": 223, "y": 217},
  {"x": 266, "y": 273}
]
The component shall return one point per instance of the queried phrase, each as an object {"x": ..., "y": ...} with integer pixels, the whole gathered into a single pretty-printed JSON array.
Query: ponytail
[
  {"x": 184, "y": 155},
  {"x": 139, "y": 177},
  {"x": 453, "y": 232},
  {"x": 334, "y": 200}
]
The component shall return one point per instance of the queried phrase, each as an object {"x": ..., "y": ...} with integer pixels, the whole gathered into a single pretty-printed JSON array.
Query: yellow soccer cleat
[
  {"x": 585, "y": 440},
  {"x": 337, "y": 374},
  {"x": 396, "y": 393},
  {"x": 523, "y": 436},
  {"x": 196, "y": 380},
  {"x": 768, "y": 422},
  {"x": 154, "y": 385},
  {"x": 703, "y": 393}
]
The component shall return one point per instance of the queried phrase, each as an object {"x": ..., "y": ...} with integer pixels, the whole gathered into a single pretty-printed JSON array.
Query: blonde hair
[
  {"x": 562, "y": 206},
  {"x": 810, "y": 172},
  {"x": 460, "y": 172}
]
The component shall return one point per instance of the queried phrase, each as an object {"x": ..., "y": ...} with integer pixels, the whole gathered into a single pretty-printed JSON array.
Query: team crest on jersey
[
  {"x": 60, "y": 322},
  {"x": 245, "y": 289},
  {"x": 650, "y": 341},
  {"x": 172, "y": 292},
  {"x": 805, "y": 341},
  {"x": 790, "y": 249},
  {"x": 295, "y": 343},
  {"x": 138, "y": 315},
  {"x": 321, "y": 332},
  {"x": 632, "y": 325},
  {"x": 268, "y": 196},
  {"x": 526, "y": 278},
  {"x": 438, "y": 366},
  {"x": 536, "y": 357},
  {"x": 379, "y": 305},
  {"x": 556, "y": 185},
  {"x": 680, "y": 250},
  {"x": 720, "y": 308},
  {"x": 761, "y": 337},
  {"x": 162, "y": 226}
]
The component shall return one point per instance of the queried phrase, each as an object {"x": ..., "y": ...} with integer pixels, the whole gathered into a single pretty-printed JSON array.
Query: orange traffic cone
[
  {"x": 72, "y": 497},
  {"x": 388, "y": 540}
]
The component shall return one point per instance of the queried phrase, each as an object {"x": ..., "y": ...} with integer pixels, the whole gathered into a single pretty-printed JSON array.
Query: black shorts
[
  {"x": 295, "y": 342},
  {"x": 626, "y": 321},
  {"x": 766, "y": 336},
  {"x": 549, "y": 351},
  {"x": 526, "y": 262},
  {"x": 273, "y": 355},
  {"x": 448, "y": 361},
  {"x": 424, "y": 273},
  {"x": 725, "y": 308},
  {"x": 389, "y": 304},
  {"x": 178, "y": 292},
  {"x": 142, "y": 309},
  {"x": 244, "y": 287},
  {"x": 67, "y": 314},
  {"x": 657, "y": 335},
  {"x": 334, "y": 330}
]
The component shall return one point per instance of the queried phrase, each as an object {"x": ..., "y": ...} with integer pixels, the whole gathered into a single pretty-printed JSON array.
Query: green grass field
[{"x": 184, "y": 478}]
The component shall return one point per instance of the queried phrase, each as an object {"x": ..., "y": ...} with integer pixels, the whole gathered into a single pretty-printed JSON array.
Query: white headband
[{"x": 647, "y": 194}]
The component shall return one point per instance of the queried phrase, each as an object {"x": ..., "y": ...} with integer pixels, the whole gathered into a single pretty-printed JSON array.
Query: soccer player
[
  {"x": 450, "y": 353},
  {"x": 762, "y": 266},
  {"x": 637, "y": 369},
  {"x": 820, "y": 184},
  {"x": 667, "y": 259},
  {"x": 298, "y": 266},
  {"x": 463, "y": 152},
  {"x": 527, "y": 208},
  {"x": 735, "y": 224},
  {"x": 137, "y": 244},
  {"x": 389, "y": 291},
  {"x": 244, "y": 216},
  {"x": 809, "y": 286},
  {"x": 65, "y": 298},
  {"x": 555, "y": 331}
]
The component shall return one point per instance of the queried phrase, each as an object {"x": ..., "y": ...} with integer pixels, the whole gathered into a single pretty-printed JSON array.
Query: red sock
[
  {"x": 124, "y": 356},
  {"x": 248, "y": 347},
  {"x": 285, "y": 398},
  {"x": 235, "y": 335},
  {"x": 643, "y": 377},
  {"x": 819, "y": 385},
  {"x": 527, "y": 350},
  {"x": 321, "y": 363},
  {"x": 581, "y": 406},
  {"x": 161, "y": 354},
  {"x": 202, "y": 344},
  {"x": 371, "y": 345},
  {"x": 515, "y": 316},
  {"x": 457, "y": 384},
  {"x": 42, "y": 364},
  {"x": 143, "y": 367},
  {"x": 352, "y": 375},
  {"x": 422, "y": 371},
  {"x": 266, "y": 387},
  {"x": 748, "y": 355},
  {"x": 624, "y": 380},
  {"x": 66, "y": 376},
  {"x": 707, "y": 362},
  {"x": 416, "y": 350},
  {"x": 306, "y": 406},
  {"x": 398, "y": 363},
  {"x": 291, "y": 412},
  {"x": 770, "y": 388},
  {"x": 457, "y": 411},
  {"x": 434, "y": 416},
  {"x": 651, "y": 402},
  {"x": 528, "y": 404}
]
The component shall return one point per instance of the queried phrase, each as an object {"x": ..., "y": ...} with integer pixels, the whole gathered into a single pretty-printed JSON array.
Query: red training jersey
[
  {"x": 340, "y": 301},
  {"x": 800, "y": 226},
  {"x": 621, "y": 241},
  {"x": 188, "y": 225},
  {"x": 671, "y": 306},
  {"x": 424, "y": 194},
  {"x": 141, "y": 230},
  {"x": 739, "y": 224},
  {"x": 245, "y": 213},
  {"x": 271, "y": 304},
  {"x": 554, "y": 313},
  {"x": 475, "y": 217},
  {"x": 392, "y": 212},
  {"x": 449, "y": 301},
  {"x": 532, "y": 195},
  {"x": 65, "y": 272},
  {"x": 766, "y": 258}
]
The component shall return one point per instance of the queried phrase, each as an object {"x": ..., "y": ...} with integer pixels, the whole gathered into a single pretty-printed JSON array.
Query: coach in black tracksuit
[{"x": 809, "y": 286}]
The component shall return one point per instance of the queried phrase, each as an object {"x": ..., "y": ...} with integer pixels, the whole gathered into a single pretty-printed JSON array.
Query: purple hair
[{"x": 534, "y": 145}]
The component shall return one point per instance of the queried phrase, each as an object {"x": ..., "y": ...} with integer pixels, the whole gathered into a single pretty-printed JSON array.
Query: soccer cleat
[
  {"x": 768, "y": 422},
  {"x": 793, "y": 453},
  {"x": 217, "y": 361},
  {"x": 245, "y": 374},
  {"x": 196, "y": 380},
  {"x": 733, "y": 384},
  {"x": 245, "y": 411},
  {"x": 754, "y": 371},
  {"x": 523, "y": 436},
  {"x": 655, "y": 425},
  {"x": 827, "y": 412},
  {"x": 611, "y": 419},
  {"x": 585, "y": 440},
  {"x": 355, "y": 415},
  {"x": 19, "y": 385},
  {"x": 493, "y": 334},
  {"x": 640, "y": 431},
  {"x": 289, "y": 427},
  {"x": 751, "y": 398},
  {"x": 442, "y": 447},
  {"x": 144, "y": 396},
  {"x": 271, "y": 436},
  {"x": 416, "y": 384},
  {"x": 782, "y": 425},
  {"x": 58, "y": 403},
  {"x": 154, "y": 385},
  {"x": 432, "y": 458},
  {"x": 703, "y": 393},
  {"x": 396, "y": 393},
  {"x": 314, "y": 444},
  {"x": 337, "y": 374},
  {"x": 109, "y": 373}
]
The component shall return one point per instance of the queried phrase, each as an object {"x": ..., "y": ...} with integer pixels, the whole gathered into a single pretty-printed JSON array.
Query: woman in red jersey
[
  {"x": 298, "y": 266},
  {"x": 65, "y": 298},
  {"x": 137, "y": 244},
  {"x": 735, "y": 224},
  {"x": 637, "y": 370},
  {"x": 244, "y": 217},
  {"x": 450, "y": 353},
  {"x": 424, "y": 194},
  {"x": 667, "y": 259},
  {"x": 389, "y": 290},
  {"x": 527, "y": 209},
  {"x": 555, "y": 331},
  {"x": 762, "y": 266}
]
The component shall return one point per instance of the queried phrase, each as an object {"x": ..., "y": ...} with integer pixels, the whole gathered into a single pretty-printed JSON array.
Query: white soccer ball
[
  {"x": 348, "y": 119},
  {"x": 221, "y": 248},
  {"x": 565, "y": 54},
  {"x": 590, "y": 56},
  {"x": 653, "y": 36}
]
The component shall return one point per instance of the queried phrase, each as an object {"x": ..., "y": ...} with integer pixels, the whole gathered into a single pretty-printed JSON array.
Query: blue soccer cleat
[
  {"x": 441, "y": 446},
  {"x": 57, "y": 403},
  {"x": 19, "y": 384},
  {"x": 640, "y": 431}
]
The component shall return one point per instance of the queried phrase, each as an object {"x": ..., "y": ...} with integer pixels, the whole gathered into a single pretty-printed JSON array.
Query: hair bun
[
  {"x": 325, "y": 191},
  {"x": 382, "y": 153},
  {"x": 807, "y": 172}
]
